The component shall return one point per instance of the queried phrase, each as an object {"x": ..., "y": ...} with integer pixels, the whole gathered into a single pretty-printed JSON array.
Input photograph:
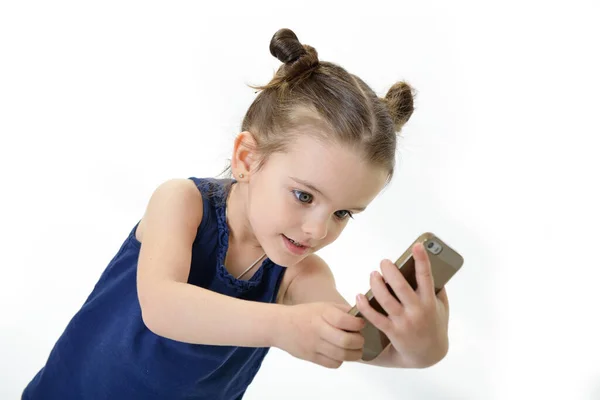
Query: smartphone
[{"x": 445, "y": 262}]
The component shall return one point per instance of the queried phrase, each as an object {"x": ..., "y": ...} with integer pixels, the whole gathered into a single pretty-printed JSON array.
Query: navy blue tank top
[{"x": 106, "y": 351}]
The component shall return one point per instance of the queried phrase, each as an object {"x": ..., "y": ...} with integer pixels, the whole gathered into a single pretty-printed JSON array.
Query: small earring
[{"x": 241, "y": 175}]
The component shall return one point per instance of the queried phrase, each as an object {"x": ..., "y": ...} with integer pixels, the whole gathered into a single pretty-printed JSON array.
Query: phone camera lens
[{"x": 433, "y": 247}]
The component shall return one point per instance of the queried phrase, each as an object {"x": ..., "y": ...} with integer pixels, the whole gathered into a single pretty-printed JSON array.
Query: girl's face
[{"x": 308, "y": 195}]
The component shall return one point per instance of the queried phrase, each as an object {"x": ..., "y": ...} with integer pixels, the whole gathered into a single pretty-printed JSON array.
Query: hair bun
[
  {"x": 297, "y": 58},
  {"x": 286, "y": 46},
  {"x": 399, "y": 101}
]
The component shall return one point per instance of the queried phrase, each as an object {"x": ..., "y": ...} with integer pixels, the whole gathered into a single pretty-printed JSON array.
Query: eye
[
  {"x": 343, "y": 214},
  {"x": 302, "y": 197}
]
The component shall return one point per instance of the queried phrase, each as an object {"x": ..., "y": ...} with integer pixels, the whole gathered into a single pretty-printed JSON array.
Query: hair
[{"x": 306, "y": 91}]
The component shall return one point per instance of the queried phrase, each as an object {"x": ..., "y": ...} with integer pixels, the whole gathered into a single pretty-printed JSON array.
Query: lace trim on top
[{"x": 219, "y": 199}]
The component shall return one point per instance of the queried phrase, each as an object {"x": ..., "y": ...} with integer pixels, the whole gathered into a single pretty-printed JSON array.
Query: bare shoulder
[
  {"x": 309, "y": 280},
  {"x": 313, "y": 264},
  {"x": 173, "y": 195},
  {"x": 166, "y": 233}
]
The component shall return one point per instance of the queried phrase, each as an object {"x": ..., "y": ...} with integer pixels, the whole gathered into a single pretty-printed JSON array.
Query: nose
[{"x": 316, "y": 227}]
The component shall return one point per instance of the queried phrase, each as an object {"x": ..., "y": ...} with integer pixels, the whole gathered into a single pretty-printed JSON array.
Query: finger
[
  {"x": 423, "y": 272},
  {"x": 342, "y": 339},
  {"x": 340, "y": 319},
  {"x": 376, "y": 318},
  {"x": 383, "y": 295},
  {"x": 326, "y": 361},
  {"x": 343, "y": 307},
  {"x": 405, "y": 293},
  {"x": 337, "y": 353}
]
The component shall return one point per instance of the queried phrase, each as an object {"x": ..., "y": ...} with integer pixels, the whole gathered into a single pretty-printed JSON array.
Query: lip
[
  {"x": 294, "y": 249},
  {"x": 302, "y": 243}
]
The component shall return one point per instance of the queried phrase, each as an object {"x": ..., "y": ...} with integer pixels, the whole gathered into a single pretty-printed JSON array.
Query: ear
[{"x": 244, "y": 157}]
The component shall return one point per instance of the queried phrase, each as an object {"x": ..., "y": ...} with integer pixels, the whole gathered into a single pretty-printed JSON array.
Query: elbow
[
  {"x": 149, "y": 313},
  {"x": 149, "y": 320}
]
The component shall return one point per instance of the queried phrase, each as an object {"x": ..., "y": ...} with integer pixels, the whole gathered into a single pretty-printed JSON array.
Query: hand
[
  {"x": 417, "y": 325},
  {"x": 323, "y": 333}
]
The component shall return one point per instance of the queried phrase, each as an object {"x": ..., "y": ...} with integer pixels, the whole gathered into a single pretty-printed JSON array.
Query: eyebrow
[{"x": 313, "y": 188}]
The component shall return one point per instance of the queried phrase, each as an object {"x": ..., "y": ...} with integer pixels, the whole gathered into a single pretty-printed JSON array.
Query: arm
[
  {"x": 315, "y": 282},
  {"x": 175, "y": 309}
]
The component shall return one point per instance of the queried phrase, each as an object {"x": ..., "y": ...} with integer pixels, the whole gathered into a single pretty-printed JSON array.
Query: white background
[{"x": 101, "y": 102}]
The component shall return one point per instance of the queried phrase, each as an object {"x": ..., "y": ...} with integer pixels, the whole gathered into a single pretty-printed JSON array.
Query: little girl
[{"x": 219, "y": 270}]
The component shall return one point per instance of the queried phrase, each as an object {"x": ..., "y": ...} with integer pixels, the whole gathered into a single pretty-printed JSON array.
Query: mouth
[{"x": 299, "y": 245}]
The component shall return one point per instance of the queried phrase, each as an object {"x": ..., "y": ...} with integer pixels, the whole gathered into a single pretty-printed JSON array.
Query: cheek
[
  {"x": 270, "y": 213},
  {"x": 284, "y": 213}
]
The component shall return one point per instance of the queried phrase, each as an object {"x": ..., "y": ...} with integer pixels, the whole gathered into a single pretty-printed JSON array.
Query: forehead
[{"x": 336, "y": 170}]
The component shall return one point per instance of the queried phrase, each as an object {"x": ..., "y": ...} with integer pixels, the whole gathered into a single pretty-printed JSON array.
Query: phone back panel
[{"x": 445, "y": 262}]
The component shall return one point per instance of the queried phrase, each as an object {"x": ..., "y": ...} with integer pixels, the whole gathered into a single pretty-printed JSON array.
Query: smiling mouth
[{"x": 297, "y": 244}]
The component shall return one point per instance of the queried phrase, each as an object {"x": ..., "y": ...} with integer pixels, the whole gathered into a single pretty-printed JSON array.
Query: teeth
[{"x": 295, "y": 243}]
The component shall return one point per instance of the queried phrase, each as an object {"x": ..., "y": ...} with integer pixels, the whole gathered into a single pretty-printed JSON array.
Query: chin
[
  {"x": 286, "y": 260},
  {"x": 281, "y": 257}
]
